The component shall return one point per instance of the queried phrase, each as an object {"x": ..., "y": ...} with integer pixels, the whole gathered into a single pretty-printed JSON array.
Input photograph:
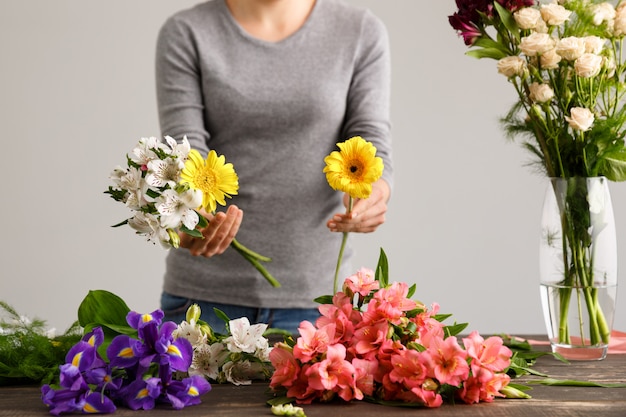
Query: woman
[{"x": 273, "y": 85}]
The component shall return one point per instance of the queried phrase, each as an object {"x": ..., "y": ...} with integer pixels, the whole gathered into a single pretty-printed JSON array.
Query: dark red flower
[{"x": 468, "y": 20}]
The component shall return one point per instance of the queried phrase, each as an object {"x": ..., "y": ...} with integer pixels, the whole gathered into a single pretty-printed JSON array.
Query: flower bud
[
  {"x": 430, "y": 385},
  {"x": 287, "y": 410},
  {"x": 193, "y": 313},
  {"x": 174, "y": 238},
  {"x": 511, "y": 392}
]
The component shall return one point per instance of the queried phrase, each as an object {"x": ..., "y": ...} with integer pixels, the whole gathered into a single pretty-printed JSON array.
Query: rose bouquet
[
  {"x": 373, "y": 342},
  {"x": 165, "y": 185},
  {"x": 565, "y": 61}
]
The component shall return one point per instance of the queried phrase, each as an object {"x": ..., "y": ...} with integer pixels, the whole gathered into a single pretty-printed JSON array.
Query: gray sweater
[{"x": 275, "y": 110}]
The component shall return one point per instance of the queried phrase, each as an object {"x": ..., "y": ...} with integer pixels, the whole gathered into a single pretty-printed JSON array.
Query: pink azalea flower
[
  {"x": 490, "y": 354},
  {"x": 362, "y": 283},
  {"x": 335, "y": 374},
  {"x": 312, "y": 341},
  {"x": 448, "y": 361},
  {"x": 286, "y": 368}
]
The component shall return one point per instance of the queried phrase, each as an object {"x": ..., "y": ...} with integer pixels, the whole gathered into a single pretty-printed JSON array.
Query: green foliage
[
  {"x": 104, "y": 309},
  {"x": 27, "y": 354}
]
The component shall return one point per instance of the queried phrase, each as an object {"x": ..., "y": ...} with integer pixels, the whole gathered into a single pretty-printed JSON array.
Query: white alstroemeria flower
[
  {"x": 162, "y": 172},
  {"x": 148, "y": 225},
  {"x": 144, "y": 152},
  {"x": 245, "y": 337},
  {"x": 127, "y": 179},
  {"x": 131, "y": 181},
  {"x": 243, "y": 372},
  {"x": 178, "y": 150},
  {"x": 208, "y": 359},
  {"x": 177, "y": 209},
  {"x": 190, "y": 331}
]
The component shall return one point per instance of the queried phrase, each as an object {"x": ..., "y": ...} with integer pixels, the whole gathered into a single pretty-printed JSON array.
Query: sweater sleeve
[
  {"x": 178, "y": 85},
  {"x": 368, "y": 113}
]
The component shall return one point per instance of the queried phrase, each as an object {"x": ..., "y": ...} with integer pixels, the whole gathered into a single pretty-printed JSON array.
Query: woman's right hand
[{"x": 218, "y": 235}]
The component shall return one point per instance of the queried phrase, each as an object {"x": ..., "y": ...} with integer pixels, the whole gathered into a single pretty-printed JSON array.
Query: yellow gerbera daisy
[
  {"x": 213, "y": 176},
  {"x": 354, "y": 167}
]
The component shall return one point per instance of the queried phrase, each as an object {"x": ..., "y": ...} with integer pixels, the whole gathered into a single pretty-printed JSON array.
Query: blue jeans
[{"x": 175, "y": 309}]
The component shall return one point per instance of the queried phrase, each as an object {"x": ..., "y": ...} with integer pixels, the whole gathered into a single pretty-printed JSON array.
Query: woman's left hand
[{"x": 366, "y": 215}]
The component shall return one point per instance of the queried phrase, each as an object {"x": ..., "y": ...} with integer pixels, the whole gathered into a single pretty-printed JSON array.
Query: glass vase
[{"x": 578, "y": 266}]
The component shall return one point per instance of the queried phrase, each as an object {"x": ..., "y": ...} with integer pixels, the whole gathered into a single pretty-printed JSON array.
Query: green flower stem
[
  {"x": 578, "y": 276},
  {"x": 255, "y": 259},
  {"x": 344, "y": 239},
  {"x": 242, "y": 249}
]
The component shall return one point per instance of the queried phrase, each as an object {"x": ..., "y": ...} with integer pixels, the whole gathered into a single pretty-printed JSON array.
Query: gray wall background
[{"x": 77, "y": 92}]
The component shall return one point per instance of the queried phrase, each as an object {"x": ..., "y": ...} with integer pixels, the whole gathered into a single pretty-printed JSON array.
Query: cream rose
[
  {"x": 588, "y": 65},
  {"x": 536, "y": 44},
  {"x": 594, "y": 44},
  {"x": 570, "y": 48},
  {"x": 540, "y": 93},
  {"x": 603, "y": 12},
  {"x": 619, "y": 25},
  {"x": 527, "y": 18},
  {"x": 581, "y": 118},
  {"x": 609, "y": 65},
  {"x": 550, "y": 59},
  {"x": 554, "y": 14},
  {"x": 511, "y": 66}
]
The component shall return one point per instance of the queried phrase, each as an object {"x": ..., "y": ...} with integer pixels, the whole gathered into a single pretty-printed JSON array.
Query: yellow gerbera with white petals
[
  {"x": 354, "y": 167},
  {"x": 214, "y": 177}
]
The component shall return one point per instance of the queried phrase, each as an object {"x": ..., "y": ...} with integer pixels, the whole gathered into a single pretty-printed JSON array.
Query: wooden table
[{"x": 249, "y": 401}]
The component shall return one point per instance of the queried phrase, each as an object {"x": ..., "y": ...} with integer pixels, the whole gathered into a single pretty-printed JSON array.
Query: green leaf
[
  {"x": 613, "y": 165},
  {"x": 202, "y": 221},
  {"x": 122, "y": 223},
  {"x": 280, "y": 400},
  {"x": 506, "y": 17},
  {"x": 324, "y": 299},
  {"x": 455, "y": 329},
  {"x": 103, "y": 308},
  {"x": 382, "y": 269},
  {"x": 191, "y": 232},
  {"x": 492, "y": 53},
  {"x": 221, "y": 315},
  {"x": 576, "y": 383}
]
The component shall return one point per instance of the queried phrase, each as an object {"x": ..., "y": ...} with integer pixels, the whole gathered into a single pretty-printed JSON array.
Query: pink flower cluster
[{"x": 377, "y": 342}]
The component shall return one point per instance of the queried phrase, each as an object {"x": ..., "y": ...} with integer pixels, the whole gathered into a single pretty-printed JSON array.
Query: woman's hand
[
  {"x": 218, "y": 235},
  {"x": 366, "y": 215}
]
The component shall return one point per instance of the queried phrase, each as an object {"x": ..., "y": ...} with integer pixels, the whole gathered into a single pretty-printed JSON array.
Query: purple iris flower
[
  {"x": 124, "y": 351},
  {"x": 188, "y": 391},
  {"x": 142, "y": 394},
  {"x": 96, "y": 403}
]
